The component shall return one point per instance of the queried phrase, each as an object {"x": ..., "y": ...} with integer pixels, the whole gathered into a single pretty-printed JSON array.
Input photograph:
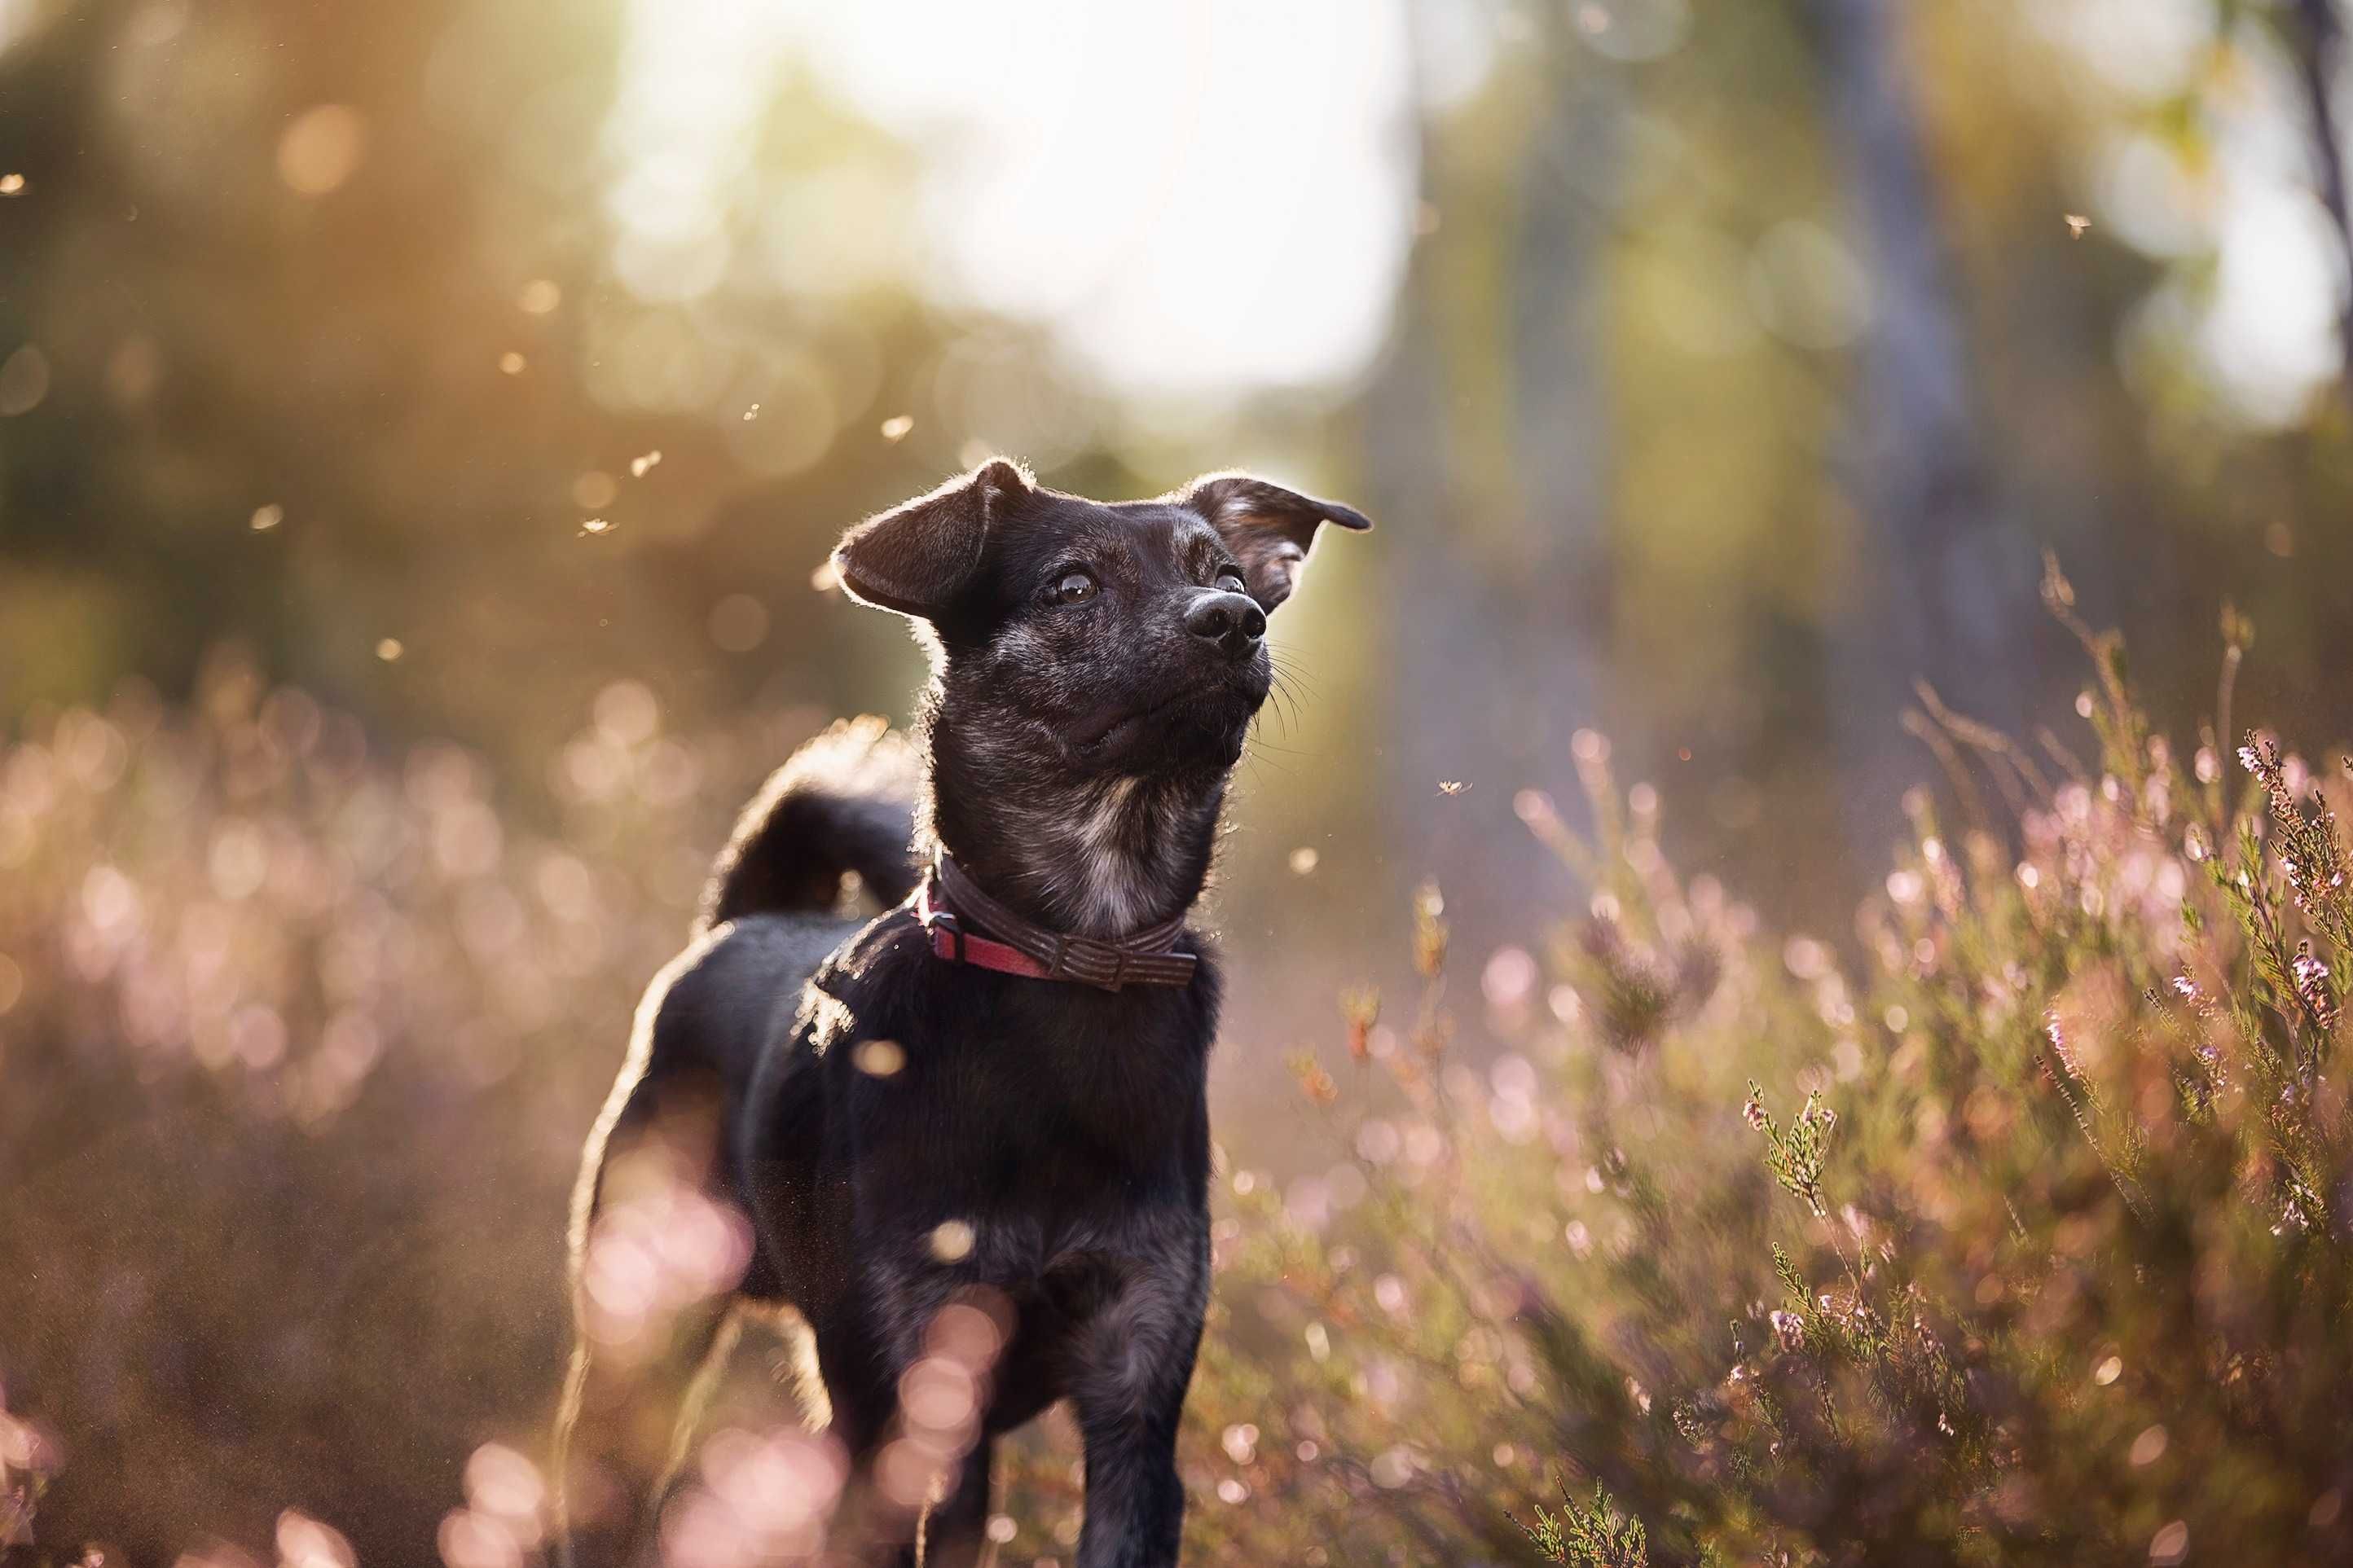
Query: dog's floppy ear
[
  {"x": 918, "y": 556},
  {"x": 1267, "y": 527}
]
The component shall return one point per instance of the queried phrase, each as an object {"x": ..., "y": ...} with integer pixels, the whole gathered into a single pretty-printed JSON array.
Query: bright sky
[
  {"x": 1205, "y": 197},
  {"x": 1200, "y": 196},
  {"x": 2265, "y": 331}
]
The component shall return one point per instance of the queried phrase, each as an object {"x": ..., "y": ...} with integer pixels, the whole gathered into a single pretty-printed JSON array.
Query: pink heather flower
[
  {"x": 2311, "y": 978},
  {"x": 1790, "y": 1329}
]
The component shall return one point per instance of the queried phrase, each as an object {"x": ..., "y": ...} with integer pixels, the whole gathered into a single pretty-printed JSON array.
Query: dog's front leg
[
  {"x": 1135, "y": 1365},
  {"x": 865, "y": 1354}
]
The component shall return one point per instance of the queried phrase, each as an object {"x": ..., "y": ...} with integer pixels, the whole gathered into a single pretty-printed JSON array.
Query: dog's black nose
[{"x": 1233, "y": 621}]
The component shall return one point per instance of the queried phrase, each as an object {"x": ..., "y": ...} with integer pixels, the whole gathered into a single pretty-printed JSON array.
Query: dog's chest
[
  {"x": 1064, "y": 1109},
  {"x": 1064, "y": 1103}
]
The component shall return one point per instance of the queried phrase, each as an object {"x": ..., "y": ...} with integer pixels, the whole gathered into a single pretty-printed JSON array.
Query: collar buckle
[{"x": 941, "y": 922}]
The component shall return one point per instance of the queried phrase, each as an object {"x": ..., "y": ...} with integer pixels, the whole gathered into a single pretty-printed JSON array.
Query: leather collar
[{"x": 954, "y": 912}]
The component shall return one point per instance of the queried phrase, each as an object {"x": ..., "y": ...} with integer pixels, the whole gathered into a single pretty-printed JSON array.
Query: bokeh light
[{"x": 422, "y": 429}]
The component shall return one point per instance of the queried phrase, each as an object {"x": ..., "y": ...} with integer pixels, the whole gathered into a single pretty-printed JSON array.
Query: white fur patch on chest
[{"x": 1106, "y": 882}]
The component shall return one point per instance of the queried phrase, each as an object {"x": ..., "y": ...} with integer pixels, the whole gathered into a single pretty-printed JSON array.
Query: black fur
[
  {"x": 842, "y": 805},
  {"x": 1038, "y": 1150}
]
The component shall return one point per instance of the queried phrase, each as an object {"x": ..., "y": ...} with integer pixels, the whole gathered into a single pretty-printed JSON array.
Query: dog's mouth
[{"x": 1113, "y": 723}]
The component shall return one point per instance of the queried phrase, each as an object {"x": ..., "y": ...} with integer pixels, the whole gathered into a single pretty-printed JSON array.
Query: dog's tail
[{"x": 845, "y": 803}]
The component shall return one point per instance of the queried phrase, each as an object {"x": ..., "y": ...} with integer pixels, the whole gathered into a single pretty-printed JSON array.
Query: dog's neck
[{"x": 1094, "y": 856}]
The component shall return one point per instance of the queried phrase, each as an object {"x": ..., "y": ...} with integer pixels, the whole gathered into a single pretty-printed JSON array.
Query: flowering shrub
[
  {"x": 2013, "y": 1230},
  {"x": 299, "y": 1044},
  {"x": 2050, "y": 1265}
]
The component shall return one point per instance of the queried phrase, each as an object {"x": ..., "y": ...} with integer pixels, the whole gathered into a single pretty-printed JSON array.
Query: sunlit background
[{"x": 466, "y": 390}]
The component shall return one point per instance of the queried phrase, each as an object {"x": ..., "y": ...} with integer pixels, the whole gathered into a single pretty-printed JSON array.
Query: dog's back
[{"x": 774, "y": 908}]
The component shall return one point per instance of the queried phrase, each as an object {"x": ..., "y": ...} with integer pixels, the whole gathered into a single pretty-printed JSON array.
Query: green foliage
[
  {"x": 1598, "y": 1536},
  {"x": 1797, "y": 1156}
]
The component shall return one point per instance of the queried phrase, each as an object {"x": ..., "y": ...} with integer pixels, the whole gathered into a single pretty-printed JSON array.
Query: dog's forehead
[{"x": 1138, "y": 527}]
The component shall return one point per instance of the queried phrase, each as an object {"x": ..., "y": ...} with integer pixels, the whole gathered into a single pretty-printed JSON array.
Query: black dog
[{"x": 971, "y": 1134}]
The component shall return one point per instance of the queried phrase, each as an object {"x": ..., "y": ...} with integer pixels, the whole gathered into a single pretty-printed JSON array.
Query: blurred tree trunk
[
  {"x": 1945, "y": 588},
  {"x": 1498, "y": 565},
  {"x": 2317, "y": 40}
]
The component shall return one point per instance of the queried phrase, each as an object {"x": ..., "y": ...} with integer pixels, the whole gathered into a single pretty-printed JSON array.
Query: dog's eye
[
  {"x": 1230, "y": 579},
  {"x": 1072, "y": 588}
]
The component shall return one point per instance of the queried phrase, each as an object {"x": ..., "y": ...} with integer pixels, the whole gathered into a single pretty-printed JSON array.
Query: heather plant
[
  {"x": 299, "y": 1037},
  {"x": 2023, "y": 1239},
  {"x": 1595, "y": 1535},
  {"x": 2011, "y": 1226}
]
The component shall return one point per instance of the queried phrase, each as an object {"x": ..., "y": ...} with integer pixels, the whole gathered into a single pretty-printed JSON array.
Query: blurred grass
[
  {"x": 2014, "y": 1230},
  {"x": 300, "y": 1042}
]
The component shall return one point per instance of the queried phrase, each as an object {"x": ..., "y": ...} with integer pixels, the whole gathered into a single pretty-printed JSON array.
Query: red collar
[{"x": 949, "y": 902}]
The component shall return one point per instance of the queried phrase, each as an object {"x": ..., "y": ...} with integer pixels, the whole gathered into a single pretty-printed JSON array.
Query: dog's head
[{"x": 1090, "y": 639}]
